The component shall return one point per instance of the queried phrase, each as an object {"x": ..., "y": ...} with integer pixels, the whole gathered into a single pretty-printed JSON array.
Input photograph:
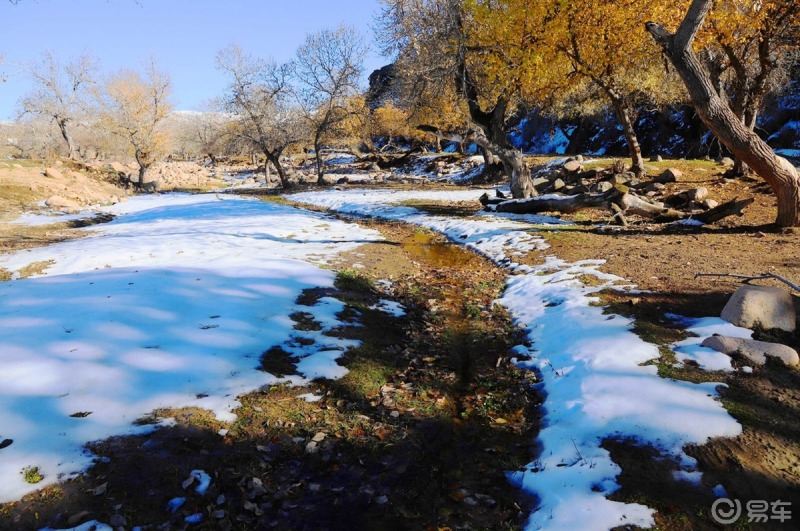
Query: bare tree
[
  {"x": 718, "y": 116},
  {"x": 328, "y": 67},
  {"x": 60, "y": 93},
  {"x": 133, "y": 108},
  {"x": 259, "y": 96}
]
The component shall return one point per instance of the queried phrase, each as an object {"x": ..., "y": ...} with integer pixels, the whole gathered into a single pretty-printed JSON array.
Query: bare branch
[{"x": 748, "y": 278}]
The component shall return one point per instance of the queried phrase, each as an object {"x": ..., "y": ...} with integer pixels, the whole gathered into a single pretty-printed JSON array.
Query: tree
[
  {"x": 721, "y": 119},
  {"x": 60, "y": 93},
  {"x": 133, "y": 108},
  {"x": 621, "y": 64},
  {"x": 749, "y": 48},
  {"x": 479, "y": 51},
  {"x": 259, "y": 97},
  {"x": 328, "y": 67}
]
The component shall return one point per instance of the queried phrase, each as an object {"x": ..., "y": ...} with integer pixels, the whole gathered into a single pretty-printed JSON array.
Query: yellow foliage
[{"x": 133, "y": 108}]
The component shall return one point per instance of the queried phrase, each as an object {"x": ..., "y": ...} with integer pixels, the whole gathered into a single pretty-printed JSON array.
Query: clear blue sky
[{"x": 184, "y": 35}]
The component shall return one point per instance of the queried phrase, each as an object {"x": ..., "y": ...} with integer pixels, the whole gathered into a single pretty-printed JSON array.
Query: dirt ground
[{"x": 458, "y": 410}]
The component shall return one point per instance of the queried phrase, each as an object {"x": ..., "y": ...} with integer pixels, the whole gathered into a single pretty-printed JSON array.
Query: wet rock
[
  {"x": 761, "y": 306},
  {"x": 755, "y": 351}
]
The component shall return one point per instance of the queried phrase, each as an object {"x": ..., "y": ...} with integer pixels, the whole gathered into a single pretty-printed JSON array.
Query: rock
[
  {"x": 374, "y": 167},
  {"x": 558, "y": 184},
  {"x": 343, "y": 180},
  {"x": 670, "y": 175},
  {"x": 619, "y": 178},
  {"x": 604, "y": 186},
  {"x": 53, "y": 173},
  {"x": 726, "y": 161},
  {"x": 698, "y": 194},
  {"x": 540, "y": 182},
  {"x": 656, "y": 158},
  {"x": 572, "y": 166},
  {"x": 654, "y": 187},
  {"x": 755, "y": 351},
  {"x": 767, "y": 307},
  {"x": 56, "y": 201},
  {"x": 117, "y": 167},
  {"x": 708, "y": 204}
]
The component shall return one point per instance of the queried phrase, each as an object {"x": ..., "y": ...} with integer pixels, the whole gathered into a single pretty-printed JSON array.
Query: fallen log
[
  {"x": 733, "y": 207},
  {"x": 550, "y": 203},
  {"x": 619, "y": 201}
]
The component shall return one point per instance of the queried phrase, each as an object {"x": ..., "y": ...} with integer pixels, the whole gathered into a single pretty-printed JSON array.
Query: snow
[
  {"x": 163, "y": 307},
  {"x": 91, "y": 525},
  {"x": 393, "y": 308},
  {"x": 592, "y": 368},
  {"x": 708, "y": 359},
  {"x": 33, "y": 220}
]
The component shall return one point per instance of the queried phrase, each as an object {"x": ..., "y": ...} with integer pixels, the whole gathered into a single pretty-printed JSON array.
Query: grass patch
[
  {"x": 351, "y": 280},
  {"x": 35, "y": 268},
  {"x": 32, "y": 475}
]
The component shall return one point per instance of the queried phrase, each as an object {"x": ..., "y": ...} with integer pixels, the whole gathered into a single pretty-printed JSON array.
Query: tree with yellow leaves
[
  {"x": 133, "y": 107},
  {"x": 718, "y": 115},
  {"x": 749, "y": 48}
]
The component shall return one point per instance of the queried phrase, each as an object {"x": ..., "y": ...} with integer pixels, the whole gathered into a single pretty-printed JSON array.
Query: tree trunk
[
  {"x": 624, "y": 114},
  {"x": 318, "y": 157},
  {"x": 62, "y": 126},
  {"x": 143, "y": 165},
  {"x": 782, "y": 177},
  {"x": 275, "y": 158}
]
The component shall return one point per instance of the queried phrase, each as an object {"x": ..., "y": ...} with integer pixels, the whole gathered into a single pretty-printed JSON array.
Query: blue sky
[{"x": 184, "y": 35}]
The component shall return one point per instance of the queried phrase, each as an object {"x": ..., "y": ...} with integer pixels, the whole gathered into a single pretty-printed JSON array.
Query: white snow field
[
  {"x": 590, "y": 363},
  {"x": 171, "y": 304}
]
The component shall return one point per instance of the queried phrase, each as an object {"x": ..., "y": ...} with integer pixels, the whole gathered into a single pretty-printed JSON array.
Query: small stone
[
  {"x": 708, "y": 204},
  {"x": 656, "y": 158},
  {"x": 469, "y": 500},
  {"x": 319, "y": 437},
  {"x": 312, "y": 448},
  {"x": 572, "y": 166},
  {"x": 726, "y": 161},
  {"x": 117, "y": 520},
  {"x": 604, "y": 186},
  {"x": 382, "y": 499},
  {"x": 394, "y": 414},
  {"x": 558, "y": 184}
]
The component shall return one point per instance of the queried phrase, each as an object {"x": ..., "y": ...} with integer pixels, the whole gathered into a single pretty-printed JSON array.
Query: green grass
[
  {"x": 352, "y": 280},
  {"x": 32, "y": 475}
]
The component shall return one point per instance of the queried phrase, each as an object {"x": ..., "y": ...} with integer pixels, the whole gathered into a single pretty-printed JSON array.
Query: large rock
[
  {"x": 62, "y": 203},
  {"x": 53, "y": 173},
  {"x": 761, "y": 306},
  {"x": 670, "y": 175},
  {"x": 755, "y": 351}
]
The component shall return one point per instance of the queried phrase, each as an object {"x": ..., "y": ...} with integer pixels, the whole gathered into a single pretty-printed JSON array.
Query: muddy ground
[{"x": 419, "y": 432}]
